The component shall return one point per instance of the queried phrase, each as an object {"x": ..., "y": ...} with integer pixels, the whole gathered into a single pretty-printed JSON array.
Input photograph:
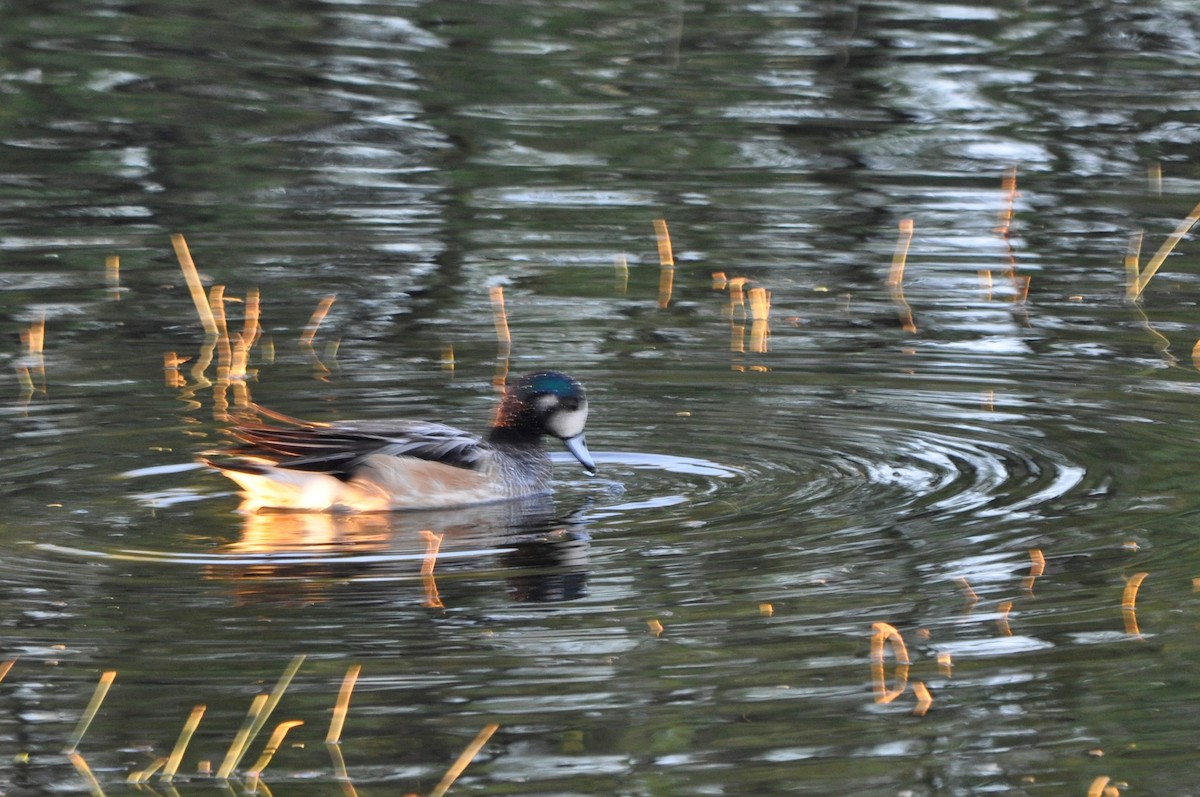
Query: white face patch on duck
[
  {"x": 545, "y": 403},
  {"x": 567, "y": 423}
]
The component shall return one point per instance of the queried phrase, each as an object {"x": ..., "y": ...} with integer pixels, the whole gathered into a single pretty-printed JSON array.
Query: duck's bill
[{"x": 578, "y": 449}]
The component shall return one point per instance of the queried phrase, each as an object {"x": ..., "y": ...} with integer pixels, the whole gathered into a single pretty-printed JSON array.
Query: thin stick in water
[
  {"x": 272, "y": 747},
  {"x": 112, "y": 272},
  {"x": 89, "y": 713},
  {"x": 81, "y": 766},
  {"x": 1165, "y": 250},
  {"x": 339, "y": 770},
  {"x": 464, "y": 760},
  {"x": 252, "y": 323},
  {"x": 500, "y": 319},
  {"x": 181, "y": 744},
  {"x": 504, "y": 341},
  {"x": 924, "y": 699},
  {"x": 666, "y": 263},
  {"x": 314, "y": 322},
  {"x": 433, "y": 544},
  {"x": 199, "y": 298},
  {"x": 144, "y": 775},
  {"x": 887, "y": 633},
  {"x": 896, "y": 275},
  {"x": 342, "y": 706},
  {"x": 1133, "y": 256},
  {"x": 237, "y": 748},
  {"x": 1129, "y": 603},
  {"x": 1005, "y": 609},
  {"x": 285, "y": 681}
]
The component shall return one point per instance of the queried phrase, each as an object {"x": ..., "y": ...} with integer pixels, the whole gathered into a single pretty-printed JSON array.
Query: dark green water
[{"x": 765, "y": 495}]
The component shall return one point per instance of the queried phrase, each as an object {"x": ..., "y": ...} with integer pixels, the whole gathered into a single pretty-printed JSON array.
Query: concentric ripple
[{"x": 865, "y": 467}]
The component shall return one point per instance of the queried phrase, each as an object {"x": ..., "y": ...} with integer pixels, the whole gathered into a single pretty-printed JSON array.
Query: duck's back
[{"x": 377, "y": 466}]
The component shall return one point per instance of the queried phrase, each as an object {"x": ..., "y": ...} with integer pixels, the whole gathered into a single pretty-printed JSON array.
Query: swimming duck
[{"x": 382, "y": 466}]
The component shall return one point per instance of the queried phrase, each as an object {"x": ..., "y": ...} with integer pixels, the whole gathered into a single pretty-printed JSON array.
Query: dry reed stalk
[
  {"x": 144, "y": 775},
  {"x": 1162, "y": 344},
  {"x": 621, "y": 266},
  {"x": 1004, "y": 608},
  {"x": 924, "y": 699},
  {"x": 503, "y": 343},
  {"x": 236, "y": 749},
  {"x": 760, "y": 312},
  {"x": 666, "y": 263},
  {"x": 500, "y": 320},
  {"x": 883, "y": 632},
  {"x": 945, "y": 664},
  {"x": 200, "y": 369},
  {"x": 896, "y": 275},
  {"x": 1022, "y": 285},
  {"x": 662, "y": 237},
  {"x": 185, "y": 736},
  {"x": 314, "y": 321},
  {"x": 234, "y": 756},
  {"x": 342, "y": 706},
  {"x": 1037, "y": 566},
  {"x": 464, "y": 760},
  {"x": 969, "y": 593},
  {"x": 28, "y": 388},
  {"x": 252, "y": 323},
  {"x": 985, "y": 284},
  {"x": 199, "y": 299},
  {"x": 1129, "y": 603},
  {"x": 1133, "y": 255},
  {"x": 1165, "y": 250},
  {"x": 35, "y": 339},
  {"x": 1004, "y": 229},
  {"x": 171, "y": 363},
  {"x": 433, "y": 544},
  {"x": 1009, "y": 186},
  {"x": 93, "y": 706},
  {"x": 81, "y": 766},
  {"x": 272, "y": 747},
  {"x": 737, "y": 296},
  {"x": 339, "y": 770},
  {"x": 239, "y": 359},
  {"x": 216, "y": 300},
  {"x": 737, "y": 314},
  {"x": 112, "y": 276},
  {"x": 900, "y": 256},
  {"x": 5, "y": 666}
]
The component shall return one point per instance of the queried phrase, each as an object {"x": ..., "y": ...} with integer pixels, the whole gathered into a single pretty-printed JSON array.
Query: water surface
[{"x": 696, "y": 619}]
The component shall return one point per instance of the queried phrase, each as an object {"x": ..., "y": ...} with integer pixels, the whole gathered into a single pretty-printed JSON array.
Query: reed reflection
[{"x": 541, "y": 555}]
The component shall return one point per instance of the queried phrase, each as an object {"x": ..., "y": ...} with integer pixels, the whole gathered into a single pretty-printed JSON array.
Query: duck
[{"x": 383, "y": 466}]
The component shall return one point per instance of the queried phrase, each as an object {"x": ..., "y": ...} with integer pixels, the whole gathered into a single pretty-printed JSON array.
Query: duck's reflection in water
[{"x": 300, "y": 557}]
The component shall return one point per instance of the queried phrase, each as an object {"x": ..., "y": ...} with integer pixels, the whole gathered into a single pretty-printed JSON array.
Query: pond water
[{"x": 991, "y": 452}]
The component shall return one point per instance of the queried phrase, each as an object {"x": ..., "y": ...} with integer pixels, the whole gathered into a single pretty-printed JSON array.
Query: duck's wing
[{"x": 338, "y": 450}]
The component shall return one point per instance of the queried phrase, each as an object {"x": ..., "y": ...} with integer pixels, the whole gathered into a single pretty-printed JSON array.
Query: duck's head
[{"x": 550, "y": 402}]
